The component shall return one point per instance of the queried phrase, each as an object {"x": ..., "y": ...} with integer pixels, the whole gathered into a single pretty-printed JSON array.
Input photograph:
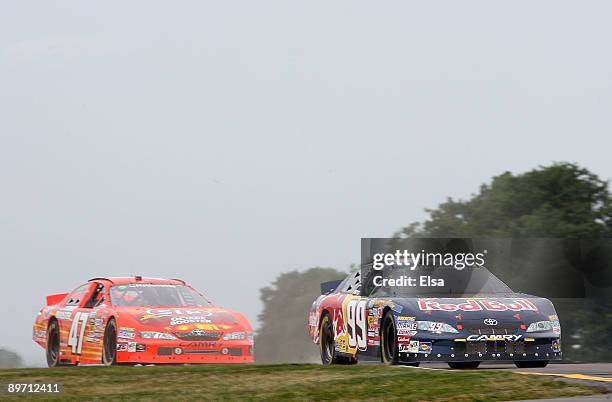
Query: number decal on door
[
  {"x": 356, "y": 324},
  {"x": 75, "y": 339}
]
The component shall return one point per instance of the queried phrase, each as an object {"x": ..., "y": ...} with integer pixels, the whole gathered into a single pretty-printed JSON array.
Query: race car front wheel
[
  {"x": 532, "y": 364},
  {"x": 109, "y": 354},
  {"x": 388, "y": 341},
  {"x": 328, "y": 346},
  {"x": 53, "y": 344}
]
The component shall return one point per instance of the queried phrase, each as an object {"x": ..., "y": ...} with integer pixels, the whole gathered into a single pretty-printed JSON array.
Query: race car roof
[{"x": 123, "y": 280}]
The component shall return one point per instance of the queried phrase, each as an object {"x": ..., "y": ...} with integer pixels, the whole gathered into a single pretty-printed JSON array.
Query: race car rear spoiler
[{"x": 54, "y": 299}]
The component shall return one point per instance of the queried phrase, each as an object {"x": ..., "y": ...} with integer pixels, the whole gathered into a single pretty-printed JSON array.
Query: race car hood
[
  {"x": 507, "y": 307},
  {"x": 173, "y": 319}
]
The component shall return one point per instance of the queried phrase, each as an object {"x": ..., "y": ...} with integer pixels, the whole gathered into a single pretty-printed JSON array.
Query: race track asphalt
[{"x": 599, "y": 374}]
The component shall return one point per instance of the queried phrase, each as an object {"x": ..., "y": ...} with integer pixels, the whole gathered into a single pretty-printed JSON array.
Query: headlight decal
[
  {"x": 157, "y": 335},
  {"x": 540, "y": 326},
  {"x": 235, "y": 336},
  {"x": 436, "y": 327}
]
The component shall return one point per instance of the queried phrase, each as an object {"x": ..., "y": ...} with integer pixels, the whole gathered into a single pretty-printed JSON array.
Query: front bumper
[
  {"x": 438, "y": 348},
  {"x": 180, "y": 352}
]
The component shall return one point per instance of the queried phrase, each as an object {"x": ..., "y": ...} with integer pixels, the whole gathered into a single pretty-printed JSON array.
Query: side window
[
  {"x": 97, "y": 297},
  {"x": 77, "y": 295},
  {"x": 351, "y": 284}
]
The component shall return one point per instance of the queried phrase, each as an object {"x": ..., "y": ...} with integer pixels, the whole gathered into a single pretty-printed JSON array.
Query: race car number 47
[{"x": 75, "y": 339}]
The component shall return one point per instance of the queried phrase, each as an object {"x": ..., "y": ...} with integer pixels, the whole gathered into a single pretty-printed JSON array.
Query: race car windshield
[
  {"x": 146, "y": 294},
  {"x": 454, "y": 283}
]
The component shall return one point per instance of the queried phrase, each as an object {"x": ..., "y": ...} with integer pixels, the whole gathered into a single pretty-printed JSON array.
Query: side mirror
[{"x": 328, "y": 287}]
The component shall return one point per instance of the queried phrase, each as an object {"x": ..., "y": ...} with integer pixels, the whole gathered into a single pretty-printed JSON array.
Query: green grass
[{"x": 294, "y": 382}]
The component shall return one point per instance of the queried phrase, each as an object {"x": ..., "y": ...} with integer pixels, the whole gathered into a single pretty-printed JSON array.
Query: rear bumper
[
  {"x": 528, "y": 349},
  {"x": 163, "y": 352}
]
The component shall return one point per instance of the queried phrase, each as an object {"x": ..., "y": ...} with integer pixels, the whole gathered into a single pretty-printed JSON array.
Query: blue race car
[{"x": 483, "y": 321}]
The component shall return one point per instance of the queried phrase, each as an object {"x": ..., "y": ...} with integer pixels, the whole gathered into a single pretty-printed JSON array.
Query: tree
[
  {"x": 10, "y": 359},
  {"x": 560, "y": 201},
  {"x": 282, "y": 335}
]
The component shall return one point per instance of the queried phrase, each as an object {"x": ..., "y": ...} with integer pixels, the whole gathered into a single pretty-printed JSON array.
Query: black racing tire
[
  {"x": 389, "y": 352},
  {"x": 415, "y": 364},
  {"x": 53, "y": 344},
  {"x": 531, "y": 364},
  {"x": 463, "y": 365},
  {"x": 109, "y": 344},
  {"x": 327, "y": 345}
]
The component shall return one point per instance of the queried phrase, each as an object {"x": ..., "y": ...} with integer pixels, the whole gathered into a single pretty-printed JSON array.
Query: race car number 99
[{"x": 356, "y": 324}]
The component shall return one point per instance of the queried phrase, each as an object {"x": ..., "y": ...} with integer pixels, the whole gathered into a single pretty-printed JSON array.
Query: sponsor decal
[
  {"x": 141, "y": 347},
  {"x": 39, "y": 334},
  {"x": 122, "y": 346},
  {"x": 406, "y": 332},
  {"x": 372, "y": 334},
  {"x": 403, "y": 339},
  {"x": 131, "y": 347},
  {"x": 424, "y": 347},
  {"x": 508, "y": 338},
  {"x": 198, "y": 345},
  {"x": 126, "y": 333},
  {"x": 375, "y": 311},
  {"x": 148, "y": 285},
  {"x": 397, "y": 308},
  {"x": 404, "y": 348},
  {"x": 478, "y": 305},
  {"x": 340, "y": 345},
  {"x": 312, "y": 319},
  {"x": 372, "y": 342},
  {"x": 405, "y": 318},
  {"x": 556, "y": 346},
  {"x": 64, "y": 314},
  {"x": 95, "y": 324},
  {"x": 153, "y": 313},
  {"x": 92, "y": 338},
  {"x": 413, "y": 347},
  {"x": 372, "y": 320},
  {"x": 207, "y": 327},
  {"x": 407, "y": 325},
  {"x": 553, "y": 317},
  {"x": 556, "y": 327},
  {"x": 180, "y": 320}
]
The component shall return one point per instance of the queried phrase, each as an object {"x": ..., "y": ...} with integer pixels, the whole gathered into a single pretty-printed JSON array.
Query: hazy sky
[{"x": 226, "y": 142}]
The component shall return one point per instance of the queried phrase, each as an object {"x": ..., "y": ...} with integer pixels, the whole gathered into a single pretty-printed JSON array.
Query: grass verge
[{"x": 290, "y": 382}]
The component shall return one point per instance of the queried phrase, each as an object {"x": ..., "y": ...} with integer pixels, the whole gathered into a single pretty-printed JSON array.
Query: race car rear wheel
[
  {"x": 388, "y": 340},
  {"x": 463, "y": 365},
  {"x": 109, "y": 353},
  {"x": 53, "y": 344},
  {"x": 531, "y": 364},
  {"x": 328, "y": 346}
]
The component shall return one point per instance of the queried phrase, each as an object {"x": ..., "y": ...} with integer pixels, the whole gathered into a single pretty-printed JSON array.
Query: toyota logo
[{"x": 490, "y": 321}]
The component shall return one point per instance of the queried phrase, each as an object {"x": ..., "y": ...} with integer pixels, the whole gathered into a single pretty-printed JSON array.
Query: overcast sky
[{"x": 227, "y": 142}]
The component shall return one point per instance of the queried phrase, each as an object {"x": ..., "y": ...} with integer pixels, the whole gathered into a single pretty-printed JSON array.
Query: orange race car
[{"x": 140, "y": 320}]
